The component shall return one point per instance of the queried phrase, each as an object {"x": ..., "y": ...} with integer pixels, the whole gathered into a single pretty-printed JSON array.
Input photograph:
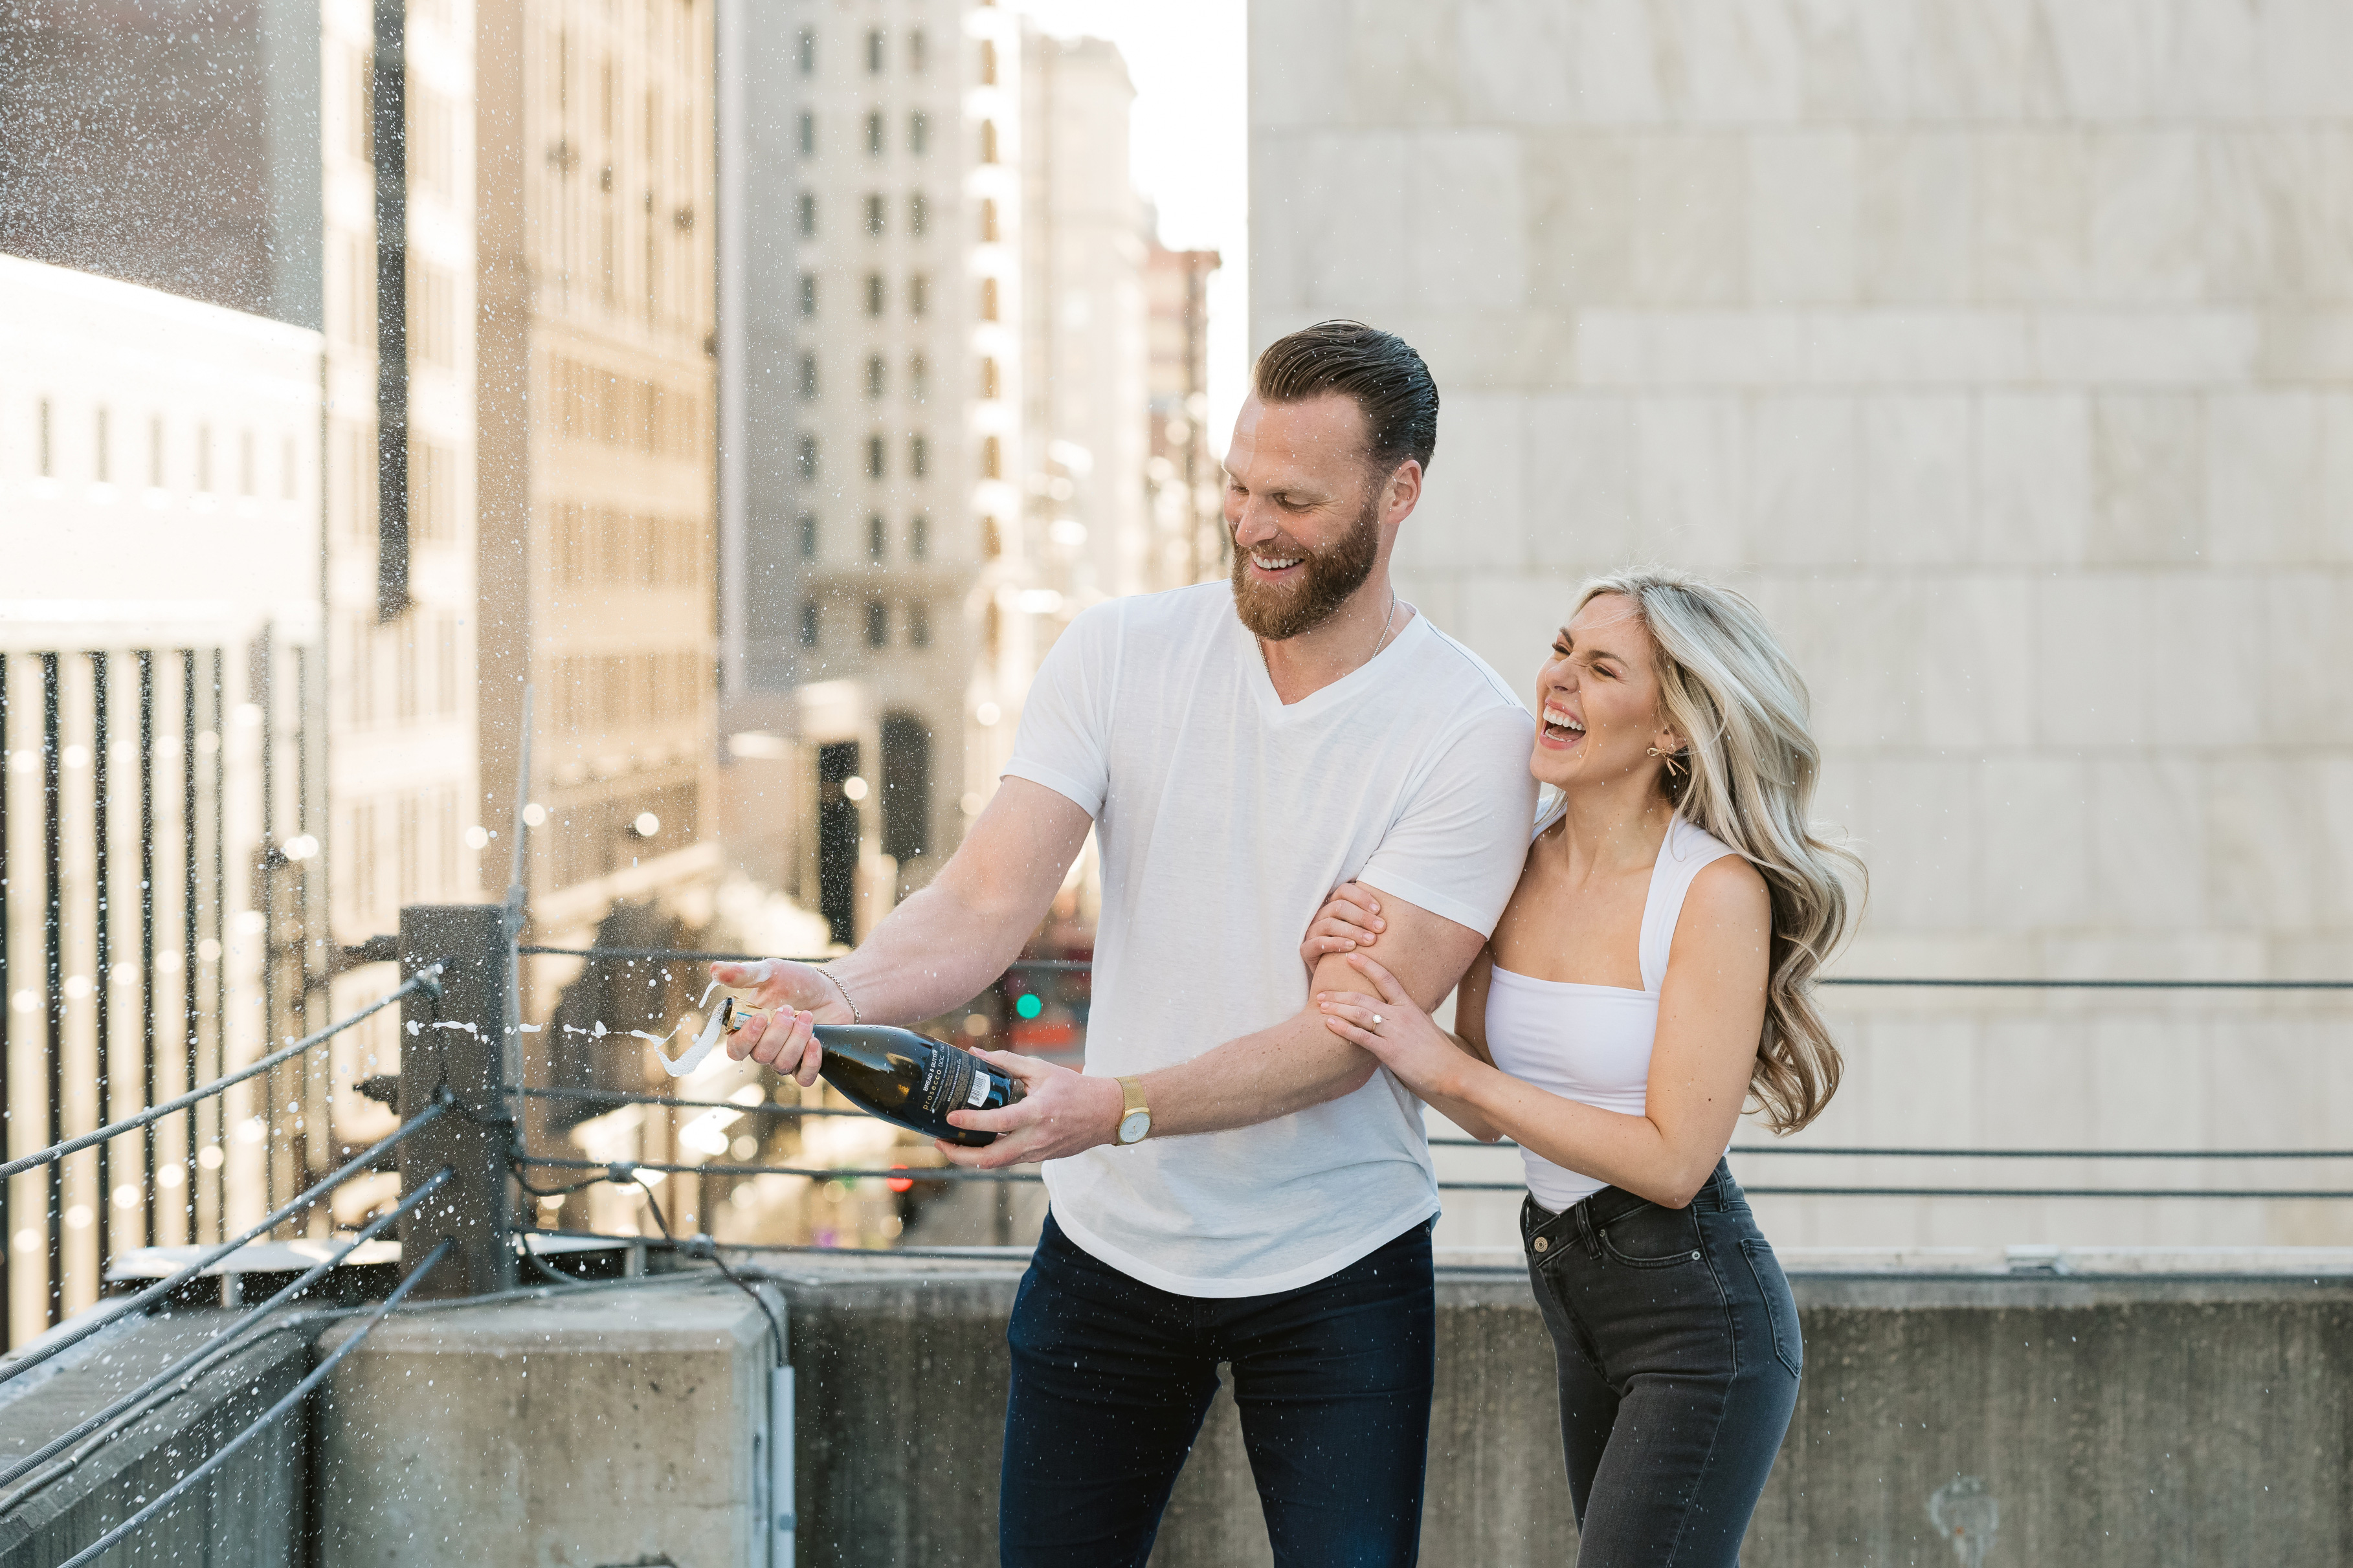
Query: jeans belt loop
[{"x": 1584, "y": 1230}]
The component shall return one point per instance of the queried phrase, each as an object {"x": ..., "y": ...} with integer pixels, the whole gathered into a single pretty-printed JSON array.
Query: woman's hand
[
  {"x": 1350, "y": 918},
  {"x": 1425, "y": 1058}
]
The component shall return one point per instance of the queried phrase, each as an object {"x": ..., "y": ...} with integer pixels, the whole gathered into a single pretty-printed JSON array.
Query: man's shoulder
[
  {"x": 1469, "y": 683},
  {"x": 1170, "y": 613}
]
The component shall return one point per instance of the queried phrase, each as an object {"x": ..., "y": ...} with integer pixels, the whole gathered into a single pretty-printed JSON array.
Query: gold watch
[{"x": 1135, "y": 1120}]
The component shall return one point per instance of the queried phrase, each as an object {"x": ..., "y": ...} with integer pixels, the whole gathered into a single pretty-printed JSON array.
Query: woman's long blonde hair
[{"x": 1746, "y": 774}]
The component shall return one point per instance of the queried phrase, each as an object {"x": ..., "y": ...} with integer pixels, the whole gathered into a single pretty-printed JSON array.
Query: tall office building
[
  {"x": 942, "y": 409},
  {"x": 595, "y": 396}
]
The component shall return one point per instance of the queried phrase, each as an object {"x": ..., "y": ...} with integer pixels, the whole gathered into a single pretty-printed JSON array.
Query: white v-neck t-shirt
[{"x": 1223, "y": 818}]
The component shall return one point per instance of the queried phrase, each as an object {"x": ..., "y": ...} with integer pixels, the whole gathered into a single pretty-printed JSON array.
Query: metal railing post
[{"x": 455, "y": 1049}]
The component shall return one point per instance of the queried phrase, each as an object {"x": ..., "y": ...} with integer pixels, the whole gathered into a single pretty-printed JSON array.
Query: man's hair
[{"x": 1378, "y": 370}]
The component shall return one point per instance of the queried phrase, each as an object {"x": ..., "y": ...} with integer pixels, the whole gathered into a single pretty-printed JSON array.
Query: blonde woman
[{"x": 1651, "y": 972}]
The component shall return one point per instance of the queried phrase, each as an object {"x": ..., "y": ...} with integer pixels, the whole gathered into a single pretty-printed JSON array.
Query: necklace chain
[{"x": 1385, "y": 622}]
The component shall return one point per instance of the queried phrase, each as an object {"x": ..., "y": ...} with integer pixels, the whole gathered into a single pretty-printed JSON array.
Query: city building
[
  {"x": 1994, "y": 355},
  {"x": 163, "y": 806},
  {"x": 1184, "y": 475},
  {"x": 594, "y": 407},
  {"x": 941, "y": 408}
]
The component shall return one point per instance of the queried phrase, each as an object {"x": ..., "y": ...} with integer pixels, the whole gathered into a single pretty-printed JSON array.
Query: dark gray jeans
[{"x": 1677, "y": 1341}]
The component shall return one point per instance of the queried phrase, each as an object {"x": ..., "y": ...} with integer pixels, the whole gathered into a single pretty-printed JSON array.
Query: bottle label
[
  {"x": 981, "y": 1084},
  {"x": 948, "y": 1081}
]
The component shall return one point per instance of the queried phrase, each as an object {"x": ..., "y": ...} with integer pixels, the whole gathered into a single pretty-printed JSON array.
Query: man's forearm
[
  {"x": 1296, "y": 1064},
  {"x": 933, "y": 953}
]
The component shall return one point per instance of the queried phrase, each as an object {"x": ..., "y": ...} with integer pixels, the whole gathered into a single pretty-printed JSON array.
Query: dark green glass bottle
[{"x": 912, "y": 1079}]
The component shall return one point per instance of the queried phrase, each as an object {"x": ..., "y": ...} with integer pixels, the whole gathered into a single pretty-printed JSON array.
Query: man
[{"x": 1265, "y": 1201}]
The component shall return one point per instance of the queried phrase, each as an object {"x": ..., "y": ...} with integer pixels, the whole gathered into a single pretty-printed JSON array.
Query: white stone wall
[{"x": 2002, "y": 351}]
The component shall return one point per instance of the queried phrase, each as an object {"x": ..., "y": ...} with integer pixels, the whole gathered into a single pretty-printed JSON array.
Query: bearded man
[{"x": 1229, "y": 1181}]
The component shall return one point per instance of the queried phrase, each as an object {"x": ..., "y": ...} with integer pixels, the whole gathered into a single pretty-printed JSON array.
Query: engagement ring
[{"x": 1377, "y": 1020}]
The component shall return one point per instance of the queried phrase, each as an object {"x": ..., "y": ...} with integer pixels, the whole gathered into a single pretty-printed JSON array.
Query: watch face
[{"x": 1133, "y": 1126}]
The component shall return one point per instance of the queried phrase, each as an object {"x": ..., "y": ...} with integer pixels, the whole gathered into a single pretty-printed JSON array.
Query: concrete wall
[
  {"x": 2170, "y": 1421},
  {"x": 2000, "y": 352}
]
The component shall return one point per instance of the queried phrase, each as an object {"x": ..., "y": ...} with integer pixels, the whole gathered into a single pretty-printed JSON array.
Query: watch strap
[{"x": 1131, "y": 1089}]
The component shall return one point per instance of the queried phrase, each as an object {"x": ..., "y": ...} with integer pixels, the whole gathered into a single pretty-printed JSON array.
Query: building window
[
  {"x": 808, "y": 134},
  {"x": 808, "y": 375},
  {"x": 808, "y": 214},
  {"x": 809, "y": 536},
  {"x": 808, "y": 293},
  {"x": 988, "y": 298},
  {"x": 917, "y": 378},
  {"x": 808, "y": 51},
  {"x": 203, "y": 452},
  {"x": 49, "y": 461},
  {"x": 988, "y": 140},
  {"x": 875, "y": 215},
  {"x": 874, "y": 293},
  {"x": 919, "y": 537},
  {"x": 875, "y": 456},
  {"x": 919, "y": 295},
  {"x": 286, "y": 470},
  {"x": 875, "y": 371},
  {"x": 878, "y": 623},
  {"x": 988, "y": 220},
  {"x": 916, "y": 51},
  {"x": 987, "y": 62},
  {"x": 878, "y": 539},
  {"x": 992, "y": 459},
  {"x": 906, "y": 780},
  {"x": 102, "y": 465},
  {"x": 919, "y": 134},
  {"x": 808, "y": 623},
  {"x": 918, "y": 457},
  {"x": 808, "y": 459},
  {"x": 919, "y": 624},
  {"x": 918, "y": 218},
  {"x": 155, "y": 453},
  {"x": 874, "y": 133},
  {"x": 989, "y": 385},
  {"x": 874, "y": 49}
]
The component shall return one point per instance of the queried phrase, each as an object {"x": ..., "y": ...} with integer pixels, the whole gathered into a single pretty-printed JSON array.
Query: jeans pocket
[
  {"x": 1780, "y": 1306},
  {"x": 1652, "y": 1237}
]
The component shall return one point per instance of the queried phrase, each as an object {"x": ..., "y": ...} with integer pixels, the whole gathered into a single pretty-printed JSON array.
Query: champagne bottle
[{"x": 907, "y": 1077}]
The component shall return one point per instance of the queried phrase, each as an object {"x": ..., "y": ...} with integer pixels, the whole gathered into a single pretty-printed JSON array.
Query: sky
[{"x": 1188, "y": 148}]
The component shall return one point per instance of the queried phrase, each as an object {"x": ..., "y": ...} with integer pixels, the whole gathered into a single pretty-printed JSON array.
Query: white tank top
[{"x": 1592, "y": 1043}]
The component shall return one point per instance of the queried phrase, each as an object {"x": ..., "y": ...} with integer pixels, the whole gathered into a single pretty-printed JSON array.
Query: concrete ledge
[{"x": 250, "y": 1510}]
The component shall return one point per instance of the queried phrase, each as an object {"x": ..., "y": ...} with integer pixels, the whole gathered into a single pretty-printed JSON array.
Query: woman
[{"x": 1651, "y": 972}]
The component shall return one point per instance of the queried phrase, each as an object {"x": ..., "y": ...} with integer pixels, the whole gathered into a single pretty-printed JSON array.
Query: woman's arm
[{"x": 1711, "y": 1014}]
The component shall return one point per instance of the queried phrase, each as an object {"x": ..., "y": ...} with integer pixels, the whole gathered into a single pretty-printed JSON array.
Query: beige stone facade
[{"x": 2000, "y": 352}]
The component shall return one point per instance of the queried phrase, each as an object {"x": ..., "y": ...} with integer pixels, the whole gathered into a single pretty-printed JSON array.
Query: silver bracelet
[{"x": 847, "y": 1001}]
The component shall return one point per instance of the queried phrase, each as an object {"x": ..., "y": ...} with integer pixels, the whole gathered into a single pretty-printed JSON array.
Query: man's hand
[
  {"x": 800, "y": 999},
  {"x": 1060, "y": 1113}
]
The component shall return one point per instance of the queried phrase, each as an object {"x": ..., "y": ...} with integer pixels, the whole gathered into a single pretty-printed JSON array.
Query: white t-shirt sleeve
[
  {"x": 1457, "y": 849},
  {"x": 1064, "y": 740}
]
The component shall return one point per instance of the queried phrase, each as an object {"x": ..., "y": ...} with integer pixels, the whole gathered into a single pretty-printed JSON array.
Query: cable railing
[
  {"x": 25, "y": 1475},
  {"x": 623, "y": 1171}
]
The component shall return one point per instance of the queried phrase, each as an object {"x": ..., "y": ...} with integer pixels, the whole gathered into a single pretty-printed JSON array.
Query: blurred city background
[{"x": 749, "y": 392}]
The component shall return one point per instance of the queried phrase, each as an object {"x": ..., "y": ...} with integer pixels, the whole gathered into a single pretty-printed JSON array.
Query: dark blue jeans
[
  {"x": 1111, "y": 1379},
  {"x": 1676, "y": 1338}
]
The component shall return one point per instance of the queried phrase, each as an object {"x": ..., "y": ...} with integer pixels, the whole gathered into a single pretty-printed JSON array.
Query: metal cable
[
  {"x": 619, "y": 1097},
  {"x": 690, "y": 955},
  {"x": 1942, "y": 984},
  {"x": 1980, "y": 1153},
  {"x": 228, "y": 1340},
  {"x": 898, "y": 1172},
  {"x": 162, "y": 1288},
  {"x": 427, "y": 979},
  {"x": 293, "y": 1396}
]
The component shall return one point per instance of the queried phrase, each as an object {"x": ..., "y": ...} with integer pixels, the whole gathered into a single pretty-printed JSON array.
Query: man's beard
[{"x": 1328, "y": 577}]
